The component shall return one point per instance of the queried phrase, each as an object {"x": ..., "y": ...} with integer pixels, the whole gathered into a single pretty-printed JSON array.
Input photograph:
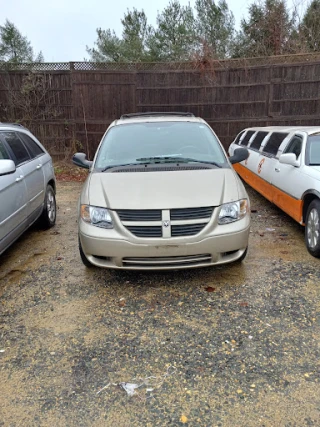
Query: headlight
[
  {"x": 100, "y": 217},
  {"x": 230, "y": 212}
]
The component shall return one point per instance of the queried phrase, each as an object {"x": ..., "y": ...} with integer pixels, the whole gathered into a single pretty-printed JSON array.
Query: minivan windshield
[{"x": 159, "y": 142}]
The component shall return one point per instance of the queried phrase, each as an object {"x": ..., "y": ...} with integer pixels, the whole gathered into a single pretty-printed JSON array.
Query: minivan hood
[{"x": 163, "y": 190}]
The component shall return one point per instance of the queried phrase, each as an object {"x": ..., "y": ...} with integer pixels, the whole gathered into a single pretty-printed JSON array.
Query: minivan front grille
[{"x": 155, "y": 223}]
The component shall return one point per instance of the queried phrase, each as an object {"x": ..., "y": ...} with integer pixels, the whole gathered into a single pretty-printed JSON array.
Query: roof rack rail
[
  {"x": 11, "y": 124},
  {"x": 157, "y": 114}
]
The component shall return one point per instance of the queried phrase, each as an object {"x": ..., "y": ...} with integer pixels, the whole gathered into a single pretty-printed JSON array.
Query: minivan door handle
[
  {"x": 39, "y": 166},
  {"x": 277, "y": 169},
  {"x": 20, "y": 178}
]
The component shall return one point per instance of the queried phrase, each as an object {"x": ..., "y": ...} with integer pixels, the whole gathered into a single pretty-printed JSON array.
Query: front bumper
[{"x": 117, "y": 252}]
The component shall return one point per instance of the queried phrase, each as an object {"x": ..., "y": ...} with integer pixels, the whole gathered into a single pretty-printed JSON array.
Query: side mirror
[
  {"x": 80, "y": 159},
  {"x": 289, "y": 159},
  {"x": 239, "y": 155},
  {"x": 7, "y": 167}
]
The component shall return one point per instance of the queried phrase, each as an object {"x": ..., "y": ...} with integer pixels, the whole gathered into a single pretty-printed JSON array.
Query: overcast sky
[{"x": 62, "y": 29}]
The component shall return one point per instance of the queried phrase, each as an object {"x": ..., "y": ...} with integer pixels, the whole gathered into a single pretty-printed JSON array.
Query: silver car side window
[
  {"x": 17, "y": 147},
  {"x": 3, "y": 152}
]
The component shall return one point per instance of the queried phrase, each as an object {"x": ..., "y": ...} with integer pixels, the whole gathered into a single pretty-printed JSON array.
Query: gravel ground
[{"x": 236, "y": 345}]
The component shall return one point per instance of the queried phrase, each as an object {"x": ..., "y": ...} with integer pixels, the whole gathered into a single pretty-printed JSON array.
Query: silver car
[
  {"x": 161, "y": 194},
  {"x": 27, "y": 184}
]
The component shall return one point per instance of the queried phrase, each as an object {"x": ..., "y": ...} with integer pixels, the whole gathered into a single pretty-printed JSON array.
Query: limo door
[
  {"x": 264, "y": 168},
  {"x": 287, "y": 181},
  {"x": 267, "y": 162},
  {"x": 252, "y": 163}
]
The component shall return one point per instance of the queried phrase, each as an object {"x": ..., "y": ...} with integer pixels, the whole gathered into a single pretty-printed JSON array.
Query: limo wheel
[
  {"x": 84, "y": 259},
  {"x": 312, "y": 231},
  {"x": 49, "y": 213}
]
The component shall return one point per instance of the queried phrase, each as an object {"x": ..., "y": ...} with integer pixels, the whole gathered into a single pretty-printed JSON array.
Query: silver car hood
[{"x": 162, "y": 190}]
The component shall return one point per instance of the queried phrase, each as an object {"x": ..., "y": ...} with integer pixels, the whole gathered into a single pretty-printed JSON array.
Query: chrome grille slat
[
  {"x": 191, "y": 213},
  {"x": 149, "y": 232},
  {"x": 139, "y": 215},
  {"x": 186, "y": 230}
]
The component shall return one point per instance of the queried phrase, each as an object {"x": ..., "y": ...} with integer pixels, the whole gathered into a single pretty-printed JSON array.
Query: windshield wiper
[
  {"x": 161, "y": 159},
  {"x": 119, "y": 166},
  {"x": 169, "y": 159}
]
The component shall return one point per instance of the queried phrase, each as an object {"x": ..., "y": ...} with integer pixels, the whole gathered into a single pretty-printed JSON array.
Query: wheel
[
  {"x": 312, "y": 230},
  {"x": 84, "y": 259},
  {"x": 49, "y": 213}
]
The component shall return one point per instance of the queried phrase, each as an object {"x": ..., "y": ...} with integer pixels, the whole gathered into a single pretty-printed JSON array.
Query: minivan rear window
[
  {"x": 274, "y": 143},
  {"x": 257, "y": 140},
  {"x": 247, "y": 137}
]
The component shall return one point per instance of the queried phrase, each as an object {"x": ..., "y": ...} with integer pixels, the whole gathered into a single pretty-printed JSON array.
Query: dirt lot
[{"x": 236, "y": 345}]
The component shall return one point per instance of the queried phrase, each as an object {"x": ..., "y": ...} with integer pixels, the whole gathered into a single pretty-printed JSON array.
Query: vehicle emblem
[
  {"x": 260, "y": 165},
  {"x": 166, "y": 224}
]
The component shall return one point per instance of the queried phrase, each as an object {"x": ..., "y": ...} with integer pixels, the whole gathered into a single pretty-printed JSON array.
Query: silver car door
[
  {"x": 35, "y": 172},
  {"x": 13, "y": 202},
  {"x": 31, "y": 170}
]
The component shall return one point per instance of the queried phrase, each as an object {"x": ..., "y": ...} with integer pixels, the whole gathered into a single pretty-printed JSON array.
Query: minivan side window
[
  {"x": 15, "y": 144},
  {"x": 257, "y": 140},
  {"x": 247, "y": 137},
  {"x": 274, "y": 142},
  {"x": 32, "y": 146},
  {"x": 294, "y": 146},
  {"x": 236, "y": 141}
]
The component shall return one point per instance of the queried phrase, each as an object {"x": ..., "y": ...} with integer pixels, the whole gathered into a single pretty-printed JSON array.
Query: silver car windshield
[{"x": 161, "y": 142}]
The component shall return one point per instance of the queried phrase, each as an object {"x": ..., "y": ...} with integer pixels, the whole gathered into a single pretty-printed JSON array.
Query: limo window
[
  {"x": 313, "y": 150},
  {"x": 247, "y": 137},
  {"x": 236, "y": 141},
  {"x": 294, "y": 146},
  {"x": 274, "y": 142},
  {"x": 257, "y": 140}
]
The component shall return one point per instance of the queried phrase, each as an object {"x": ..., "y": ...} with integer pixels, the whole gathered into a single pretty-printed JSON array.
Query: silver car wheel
[
  {"x": 313, "y": 228},
  {"x": 51, "y": 206}
]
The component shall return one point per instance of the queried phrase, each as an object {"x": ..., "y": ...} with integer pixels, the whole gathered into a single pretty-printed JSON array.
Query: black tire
[
  {"x": 243, "y": 256},
  {"x": 84, "y": 259},
  {"x": 312, "y": 229},
  {"x": 49, "y": 213}
]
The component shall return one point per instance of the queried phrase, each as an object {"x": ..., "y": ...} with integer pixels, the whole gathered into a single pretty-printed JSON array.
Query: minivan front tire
[{"x": 84, "y": 259}]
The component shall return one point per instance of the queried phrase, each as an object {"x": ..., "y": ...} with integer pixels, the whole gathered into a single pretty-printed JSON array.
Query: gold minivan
[{"x": 162, "y": 194}]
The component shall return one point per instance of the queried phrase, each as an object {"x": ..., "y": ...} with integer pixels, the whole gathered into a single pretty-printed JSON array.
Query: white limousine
[{"x": 284, "y": 166}]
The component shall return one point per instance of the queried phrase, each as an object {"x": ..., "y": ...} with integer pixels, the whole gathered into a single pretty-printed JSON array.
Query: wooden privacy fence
[{"x": 229, "y": 95}]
